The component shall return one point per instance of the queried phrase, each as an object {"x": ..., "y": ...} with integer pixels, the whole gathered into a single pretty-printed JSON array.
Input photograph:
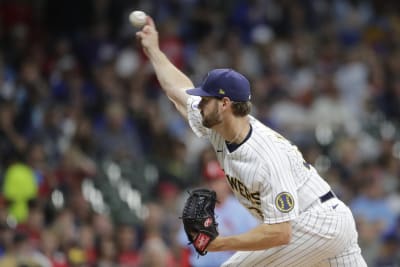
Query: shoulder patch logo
[{"x": 284, "y": 202}]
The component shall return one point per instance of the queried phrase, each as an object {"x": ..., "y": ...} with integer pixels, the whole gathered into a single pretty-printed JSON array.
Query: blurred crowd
[{"x": 95, "y": 162}]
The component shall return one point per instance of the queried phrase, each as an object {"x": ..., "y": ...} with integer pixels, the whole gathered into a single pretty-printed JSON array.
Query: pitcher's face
[{"x": 210, "y": 111}]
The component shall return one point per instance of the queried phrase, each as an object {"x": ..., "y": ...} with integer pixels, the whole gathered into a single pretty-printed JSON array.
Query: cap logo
[{"x": 221, "y": 92}]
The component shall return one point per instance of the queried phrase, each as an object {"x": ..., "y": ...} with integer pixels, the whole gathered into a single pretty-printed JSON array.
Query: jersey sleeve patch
[{"x": 284, "y": 202}]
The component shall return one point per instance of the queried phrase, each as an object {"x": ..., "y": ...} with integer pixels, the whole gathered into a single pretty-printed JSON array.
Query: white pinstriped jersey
[
  {"x": 270, "y": 178},
  {"x": 267, "y": 173}
]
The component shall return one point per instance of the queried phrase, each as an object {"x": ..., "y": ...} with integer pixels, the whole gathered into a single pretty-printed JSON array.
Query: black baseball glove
[{"x": 199, "y": 219}]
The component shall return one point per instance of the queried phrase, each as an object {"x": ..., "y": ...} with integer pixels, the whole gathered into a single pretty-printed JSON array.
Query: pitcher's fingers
[
  {"x": 150, "y": 21},
  {"x": 148, "y": 29},
  {"x": 140, "y": 34}
]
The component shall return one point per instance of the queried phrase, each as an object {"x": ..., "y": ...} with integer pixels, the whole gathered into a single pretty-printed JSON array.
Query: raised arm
[{"x": 171, "y": 79}]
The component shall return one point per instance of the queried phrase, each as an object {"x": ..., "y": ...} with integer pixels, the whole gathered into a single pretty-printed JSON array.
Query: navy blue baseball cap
[{"x": 224, "y": 83}]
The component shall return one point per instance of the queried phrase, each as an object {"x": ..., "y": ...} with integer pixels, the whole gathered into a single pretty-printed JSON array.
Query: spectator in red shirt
[{"x": 126, "y": 241}]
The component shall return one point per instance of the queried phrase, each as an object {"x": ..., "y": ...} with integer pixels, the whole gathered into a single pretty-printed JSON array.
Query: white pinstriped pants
[{"x": 321, "y": 236}]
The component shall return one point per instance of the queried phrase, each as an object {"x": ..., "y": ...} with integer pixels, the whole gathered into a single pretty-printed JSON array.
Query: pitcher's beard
[{"x": 211, "y": 120}]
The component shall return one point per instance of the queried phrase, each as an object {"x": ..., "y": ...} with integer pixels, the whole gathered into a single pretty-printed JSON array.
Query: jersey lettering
[{"x": 253, "y": 197}]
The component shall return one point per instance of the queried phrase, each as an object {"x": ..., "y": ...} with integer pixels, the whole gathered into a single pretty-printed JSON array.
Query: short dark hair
[{"x": 241, "y": 109}]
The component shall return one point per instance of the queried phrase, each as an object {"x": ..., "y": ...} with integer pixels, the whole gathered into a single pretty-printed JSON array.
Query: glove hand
[{"x": 199, "y": 219}]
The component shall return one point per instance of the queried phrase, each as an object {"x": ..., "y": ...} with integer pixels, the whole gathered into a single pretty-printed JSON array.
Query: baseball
[{"x": 138, "y": 18}]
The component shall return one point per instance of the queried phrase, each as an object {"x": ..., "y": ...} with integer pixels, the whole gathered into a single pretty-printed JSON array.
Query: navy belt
[{"x": 327, "y": 196}]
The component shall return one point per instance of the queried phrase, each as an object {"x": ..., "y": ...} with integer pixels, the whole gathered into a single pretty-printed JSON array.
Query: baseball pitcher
[{"x": 302, "y": 222}]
